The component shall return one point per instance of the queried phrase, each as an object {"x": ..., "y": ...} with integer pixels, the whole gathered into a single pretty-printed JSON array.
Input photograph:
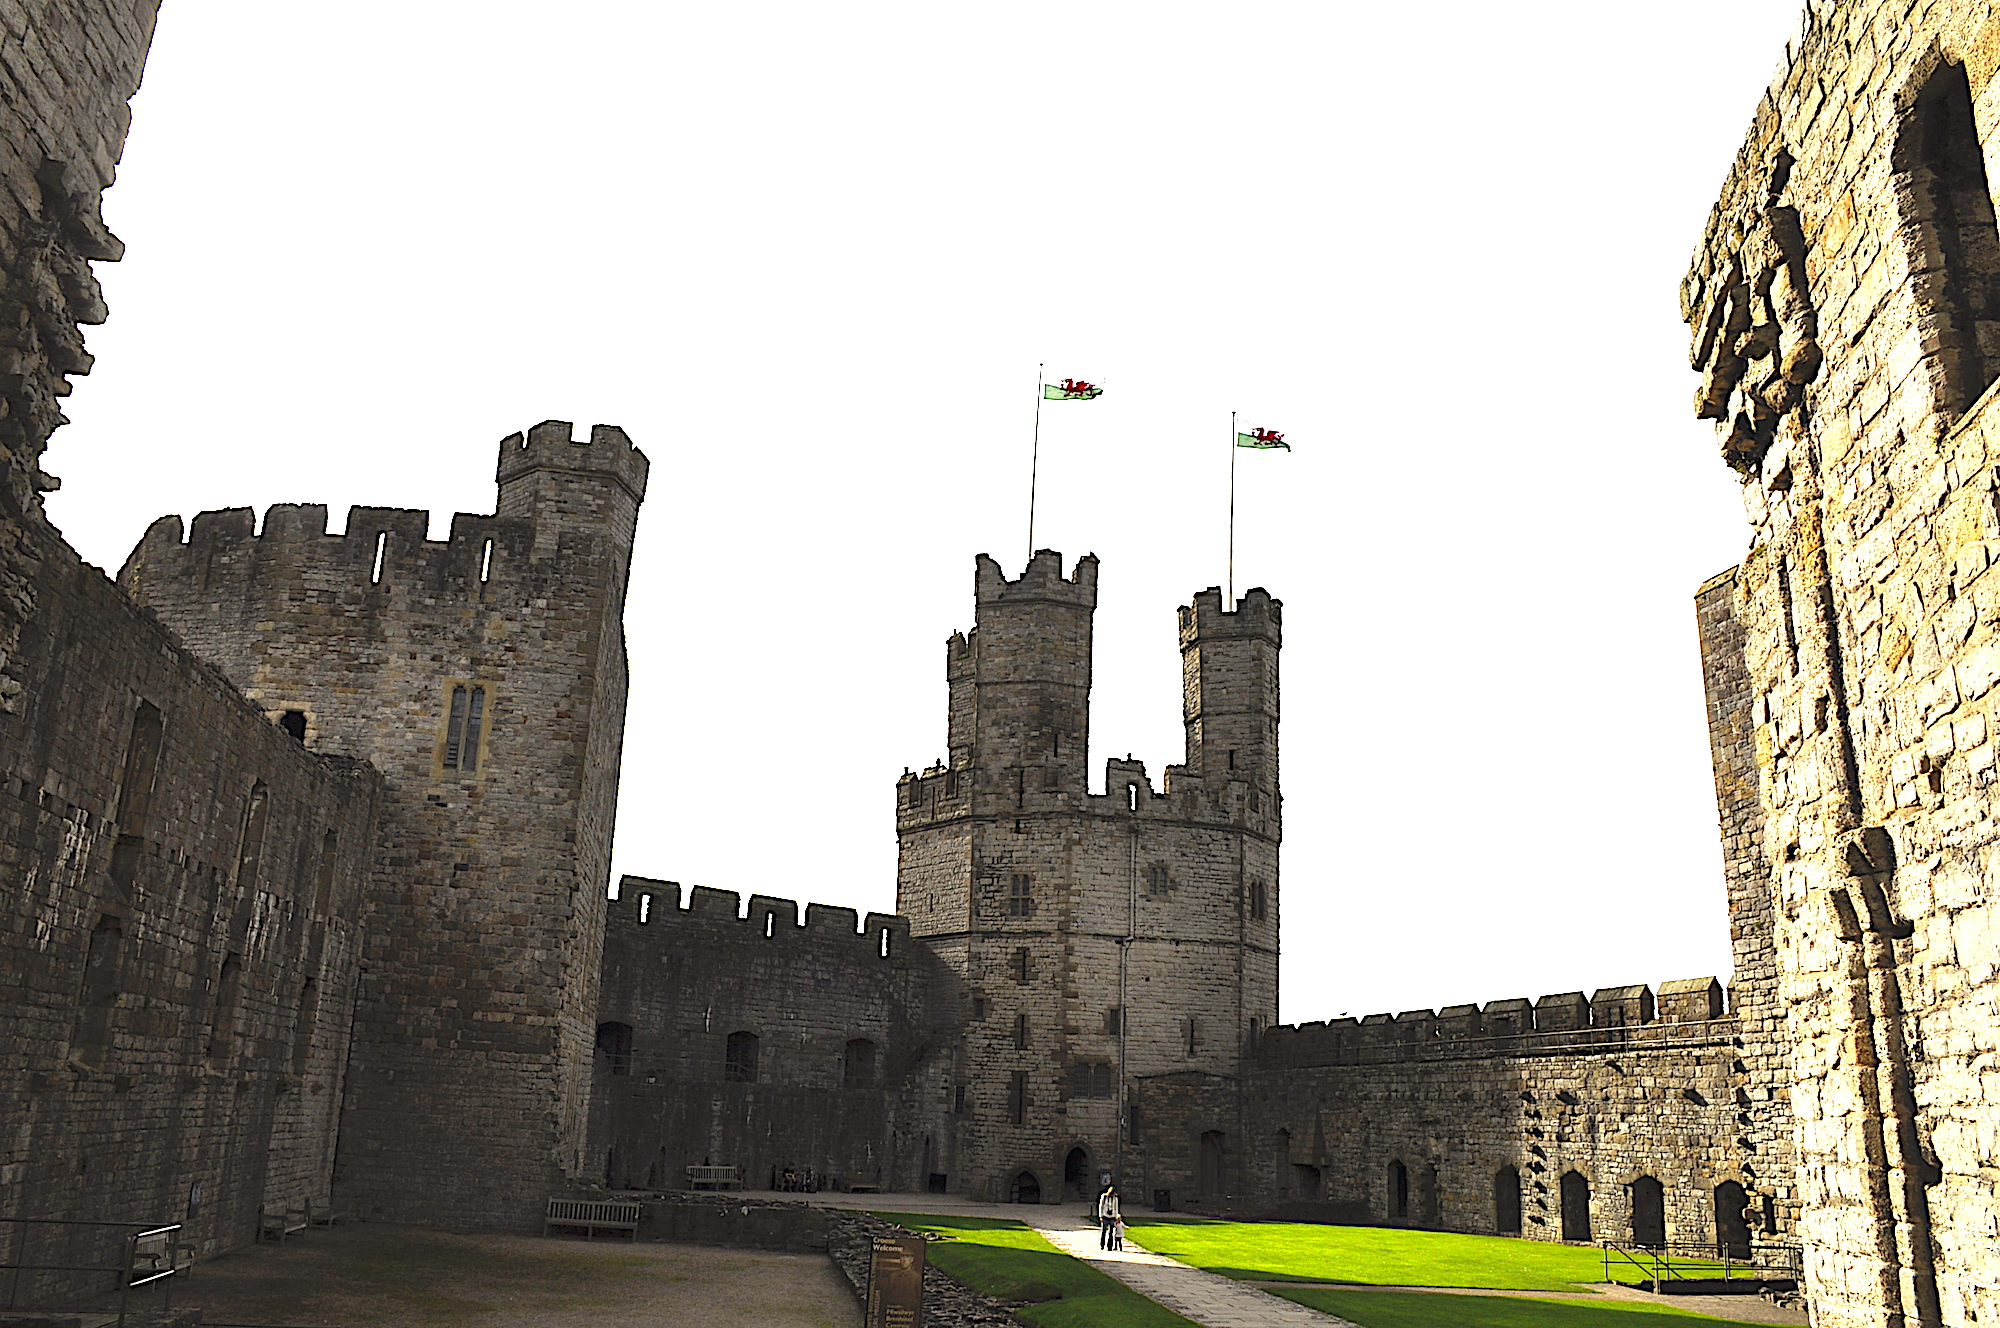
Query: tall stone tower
[
  {"x": 484, "y": 677},
  {"x": 1101, "y": 939}
]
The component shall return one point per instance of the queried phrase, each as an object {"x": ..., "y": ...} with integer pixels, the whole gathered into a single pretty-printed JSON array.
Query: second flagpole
[
  {"x": 1230, "y": 603},
  {"x": 1035, "y": 460}
]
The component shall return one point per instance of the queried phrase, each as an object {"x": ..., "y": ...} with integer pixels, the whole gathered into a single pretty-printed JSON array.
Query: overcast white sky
[{"x": 810, "y": 255}]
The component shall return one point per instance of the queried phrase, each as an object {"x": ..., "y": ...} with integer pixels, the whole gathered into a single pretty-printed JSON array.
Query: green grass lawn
[
  {"x": 1006, "y": 1260},
  {"x": 1374, "y": 1256},
  {"x": 1414, "y": 1309}
]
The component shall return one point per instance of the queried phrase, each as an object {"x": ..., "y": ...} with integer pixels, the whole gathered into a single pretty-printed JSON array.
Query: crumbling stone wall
[
  {"x": 183, "y": 936},
  {"x": 1469, "y": 1118},
  {"x": 1845, "y": 308},
  {"x": 484, "y": 676},
  {"x": 847, "y": 1073},
  {"x": 1096, "y": 938}
]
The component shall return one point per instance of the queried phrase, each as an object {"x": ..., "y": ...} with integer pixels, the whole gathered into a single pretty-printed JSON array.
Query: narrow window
[
  {"x": 1940, "y": 174},
  {"x": 885, "y": 942},
  {"x": 1257, "y": 900},
  {"x": 1114, "y": 1021},
  {"x": 770, "y": 924},
  {"x": 142, "y": 763},
  {"x": 739, "y": 1058},
  {"x": 222, "y": 1030},
  {"x": 958, "y": 1099},
  {"x": 302, "y": 1029},
  {"x": 1785, "y": 599},
  {"x": 614, "y": 1043},
  {"x": 1131, "y": 797},
  {"x": 646, "y": 908},
  {"x": 1020, "y": 895},
  {"x": 102, "y": 980},
  {"x": 1193, "y": 1035},
  {"x": 329, "y": 858},
  {"x": 1156, "y": 879},
  {"x": 486, "y": 563},
  {"x": 462, "y": 727},
  {"x": 294, "y": 723},
  {"x": 1021, "y": 1031},
  {"x": 249, "y": 860},
  {"x": 1100, "y": 1080},
  {"x": 381, "y": 548},
  {"x": 978, "y": 1007},
  {"x": 1021, "y": 963},
  {"x": 858, "y": 1069},
  {"x": 1017, "y": 1098}
]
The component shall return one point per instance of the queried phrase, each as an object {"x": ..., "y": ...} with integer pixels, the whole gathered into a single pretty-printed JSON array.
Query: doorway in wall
[
  {"x": 1076, "y": 1173},
  {"x": 1211, "y": 1162},
  {"x": 1024, "y": 1188}
]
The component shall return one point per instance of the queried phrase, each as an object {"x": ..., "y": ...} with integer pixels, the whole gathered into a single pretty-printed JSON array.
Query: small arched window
[
  {"x": 614, "y": 1044},
  {"x": 858, "y": 1065}
]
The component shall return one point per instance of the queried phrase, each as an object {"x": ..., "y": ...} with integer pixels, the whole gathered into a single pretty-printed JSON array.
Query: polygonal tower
[
  {"x": 1103, "y": 940},
  {"x": 484, "y": 677}
]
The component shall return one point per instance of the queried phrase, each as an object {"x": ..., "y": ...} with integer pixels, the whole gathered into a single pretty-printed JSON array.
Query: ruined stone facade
[{"x": 1845, "y": 306}]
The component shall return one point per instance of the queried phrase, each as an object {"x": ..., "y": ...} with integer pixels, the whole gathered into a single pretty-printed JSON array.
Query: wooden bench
[
  {"x": 593, "y": 1215},
  {"x": 324, "y": 1214},
  {"x": 715, "y": 1178},
  {"x": 278, "y": 1223}
]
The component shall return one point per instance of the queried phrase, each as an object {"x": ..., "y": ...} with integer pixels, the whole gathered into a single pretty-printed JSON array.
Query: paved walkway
[{"x": 1208, "y": 1298}]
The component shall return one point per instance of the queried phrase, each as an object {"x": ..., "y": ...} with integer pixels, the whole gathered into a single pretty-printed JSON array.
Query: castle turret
[
  {"x": 1101, "y": 939},
  {"x": 484, "y": 676}
]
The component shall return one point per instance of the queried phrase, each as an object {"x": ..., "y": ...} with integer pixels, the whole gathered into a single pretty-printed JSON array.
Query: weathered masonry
[
  {"x": 484, "y": 677},
  {"x": 1845, "y": 310}
]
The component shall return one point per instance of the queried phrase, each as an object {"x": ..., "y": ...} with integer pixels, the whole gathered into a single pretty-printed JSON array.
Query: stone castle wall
[
  {"x": 474, "y": 1030},
  {"x": 1843, "y": 308},
  {"x": 848, "y": 1062},
  {"x": 183, "y": 936}
]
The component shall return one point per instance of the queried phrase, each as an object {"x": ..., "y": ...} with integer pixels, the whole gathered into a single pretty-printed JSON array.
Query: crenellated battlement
[
  {"x": 1684, "y": 1011},
  {"x": 1256, "y": 615},
  {"x": 652, "y": 907},
  {"x": 552, "y": 445},
  {"x": 1042, "y": 580},
  {"x": 384, "y": 549}
]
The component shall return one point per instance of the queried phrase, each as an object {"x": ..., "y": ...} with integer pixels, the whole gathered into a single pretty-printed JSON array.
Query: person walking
[
  {"x": 1118, "y": 1233},
  {"x": 1107, "y": 1216}
]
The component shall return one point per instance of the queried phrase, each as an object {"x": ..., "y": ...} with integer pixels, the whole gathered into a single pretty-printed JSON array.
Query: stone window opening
[
  {"x": 770, "y": 925},
  {"x": 1021, "y": 1031},
  {"x": 978, "y": 1008},
  {"x": 958, "y": 1099},
  {"x": 1157, "y": 880},
  {"x": 739, "y": 1058},
  {"x": 486, "y": 563},
  {"x": 135, "y": 796},
  {"x": 882, "y": 940},
  {"x": 1257, "y": 902},
  {"x": 858, "y": 1064},
  {"x": 1947, "y": 204},
  {"x": 1020, "y": 895},
  {"x": 614, "y": 1043},
  {"x": 1017, "y": 1098},
  {"x": 381, "y": 551},
  {"x": 1021, "y": 963},
  {"x": 222, "y": 1028},
  {"x": 250, "y": 857},
  {"x": 1114, "y": 1021},
  {"x": 329, "y": 859},
  {"x": 1398, "y": 1186},
  {"x": 103, "y": 979},
  {"x": 294, "y": 723},
  {"x": 463, "y": 725},
  {"x": 646, "y": 908},
  {"x": 1791, "y": 623},
  {"x": 302, "y": 1028},
  {"x": 1090, "y": 1079},
  {"x": 1131, "y": 797},
  {"x": 1191, "y": 1027}
]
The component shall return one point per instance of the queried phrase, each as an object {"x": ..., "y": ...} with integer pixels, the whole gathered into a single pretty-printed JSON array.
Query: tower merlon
[
  {"x": 1256, "y": 615},
  {"x": 552, "y": 445},
  {"x": 1043, "y": 580}
]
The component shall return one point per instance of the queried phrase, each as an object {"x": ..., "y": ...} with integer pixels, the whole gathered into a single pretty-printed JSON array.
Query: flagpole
[
  {"x": 1035, "y": 461},
  {"x": 1229, "y": 603}
]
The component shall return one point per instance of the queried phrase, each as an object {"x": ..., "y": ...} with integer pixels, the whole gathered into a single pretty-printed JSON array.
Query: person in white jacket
[{"x": 1107, "y": 1215}]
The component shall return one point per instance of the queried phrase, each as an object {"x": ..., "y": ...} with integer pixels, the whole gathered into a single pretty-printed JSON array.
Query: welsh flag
[
  {"x": 1071, "y": 389},
  {"x": 1264, "y": 438}
]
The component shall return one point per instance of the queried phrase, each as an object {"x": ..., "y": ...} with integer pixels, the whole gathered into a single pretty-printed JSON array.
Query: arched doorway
[
  {"x": 1649, "y": 1213},
  {"x": 1575, "y": 1206},
  {"x": 1024, "y": 1188},
  {"x": 1732, "y": 1228},
  {"x": 1398, "y": 1191},
  {"x": 1307, "y": 1180},
  {"x": 1507, "y": 1202},
  {"x": 1076, "y": 1173},
  {"x": 1211, "y": 1162}
]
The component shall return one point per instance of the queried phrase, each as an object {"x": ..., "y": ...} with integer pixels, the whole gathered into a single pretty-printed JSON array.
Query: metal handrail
[
  {"x": 129, "y": 1271},
  {"x": 1657, "y": 1262}
]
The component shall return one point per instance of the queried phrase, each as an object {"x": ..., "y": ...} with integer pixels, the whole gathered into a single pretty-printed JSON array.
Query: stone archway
[
  {"x": 1024, "y": 1188},
  {"x": 1076, "y": 1173}
]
